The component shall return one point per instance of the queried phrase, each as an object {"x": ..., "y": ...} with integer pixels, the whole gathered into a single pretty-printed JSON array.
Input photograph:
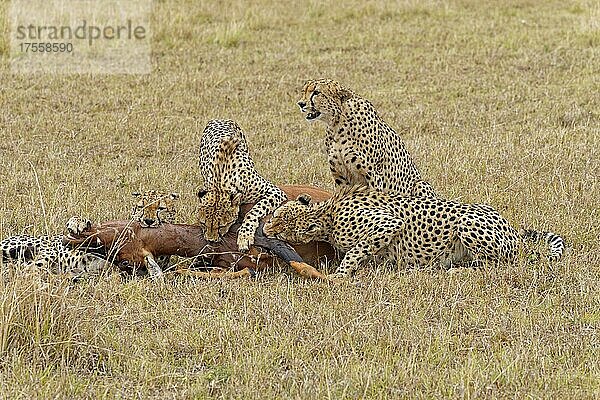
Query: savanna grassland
[{"x": 498, "y": 101}]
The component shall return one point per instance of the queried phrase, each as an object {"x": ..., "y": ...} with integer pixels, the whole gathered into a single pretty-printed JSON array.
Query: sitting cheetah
[
  {"x": 230, "y": 180},
  {"x": 361, "y": 148},
  {"x": 411, "y": 231},
  {"x": 51, "y": 252},
  {"x": 153, "y": 207}
]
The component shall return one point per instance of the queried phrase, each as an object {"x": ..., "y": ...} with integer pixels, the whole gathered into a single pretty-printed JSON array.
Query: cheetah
[
  {"x": 230, "y": 180},
  {"x": 152, "y": 208},
  {"x": 362, "y": 149},
  {"x": 410, "y": 231},
  {"x": 51, "y": 252}
]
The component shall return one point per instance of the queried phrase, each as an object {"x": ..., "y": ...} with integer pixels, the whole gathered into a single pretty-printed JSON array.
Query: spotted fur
[
  {"x": 53, "y": 254},
  {"x": 410, "y": 231},
  {"x": 230, "y": 180},
  {"x": 362, "y": 148}
]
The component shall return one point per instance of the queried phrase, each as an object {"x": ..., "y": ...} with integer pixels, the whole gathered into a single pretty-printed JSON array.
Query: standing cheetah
[{"x": 230, "y": 180}]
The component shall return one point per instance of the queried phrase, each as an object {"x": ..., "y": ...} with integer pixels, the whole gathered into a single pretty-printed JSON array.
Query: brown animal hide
[{"x": 131, "y": 246}]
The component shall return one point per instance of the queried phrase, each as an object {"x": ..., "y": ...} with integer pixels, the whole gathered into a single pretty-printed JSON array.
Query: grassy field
[{"x": 498, "y": 101}]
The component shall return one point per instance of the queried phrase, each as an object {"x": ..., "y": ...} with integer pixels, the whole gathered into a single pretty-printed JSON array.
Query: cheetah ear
[
  {"x": 201, "y": 193},
  {"x": 344, "y": 94},
  {"x": 174, "y": 196},
  {"x": 304, "y": 199},
  {"x": 136, "y": 194}
]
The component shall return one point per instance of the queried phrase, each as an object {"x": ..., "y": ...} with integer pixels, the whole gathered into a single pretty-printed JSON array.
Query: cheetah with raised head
[
  {"x": 152, "y": 208},
  {"x": 230, "y": 180},
  {"x": 410, "y": 231},
  {"x": 362, "y": 148}
]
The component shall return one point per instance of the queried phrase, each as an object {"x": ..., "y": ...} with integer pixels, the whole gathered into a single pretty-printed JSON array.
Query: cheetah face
[
  {"x": 322, "y": 100},
  {"x": 218, "y": 210},
  {"x": 77, "y": 225},
  {"x": 153, "y": 208},
  {"x": 293, "y": 223}
]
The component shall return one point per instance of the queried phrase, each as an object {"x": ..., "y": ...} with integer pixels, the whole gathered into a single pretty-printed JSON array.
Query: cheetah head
[
  {"x": 218, "y": 210},
  {"x": 77, "y": 225},
  {"x": 322, "y": 100},
  {"x": 153, "y": 208},
  {"x": 294, "y": 222}
]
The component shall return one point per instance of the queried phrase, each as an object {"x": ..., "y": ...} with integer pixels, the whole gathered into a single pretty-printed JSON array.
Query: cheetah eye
[
  {"x": 316, "y": 93},
  {"x": 161, "y": 208},
  {"x": 312, "y": 227}
]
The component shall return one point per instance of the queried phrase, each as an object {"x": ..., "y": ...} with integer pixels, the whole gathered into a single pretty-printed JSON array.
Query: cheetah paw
[{"x": 244, "y": 241}]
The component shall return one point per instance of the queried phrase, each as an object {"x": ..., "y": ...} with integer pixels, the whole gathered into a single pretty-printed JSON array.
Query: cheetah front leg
[
  {"x": 352, "y": 260},
  {"x": 367, "y": 171},
  {"x": 339, "y": 178},
  {"x": 338, "y": 167},
  {"x": 252, "y": 219},
  {"x": 366, "y": 249}
]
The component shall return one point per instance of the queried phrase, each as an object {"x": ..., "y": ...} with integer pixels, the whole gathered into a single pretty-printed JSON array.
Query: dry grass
[{"x": 497, "y": 101}]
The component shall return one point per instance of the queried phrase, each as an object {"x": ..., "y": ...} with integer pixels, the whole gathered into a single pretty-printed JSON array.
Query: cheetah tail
[{"x": 556, "y": 243}]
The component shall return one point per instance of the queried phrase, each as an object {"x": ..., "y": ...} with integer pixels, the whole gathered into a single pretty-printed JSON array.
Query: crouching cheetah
[
  {"x": 411, "y": 231},
  {"x": 230, "y": 179},
  {"x": 362, "y": 149},
  {"x": 51, "y": 252},
  {"x": 152, "y": 208}
]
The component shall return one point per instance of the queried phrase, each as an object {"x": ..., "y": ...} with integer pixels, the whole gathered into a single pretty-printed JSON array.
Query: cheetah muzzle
[{"x": 310, "y": 115}]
